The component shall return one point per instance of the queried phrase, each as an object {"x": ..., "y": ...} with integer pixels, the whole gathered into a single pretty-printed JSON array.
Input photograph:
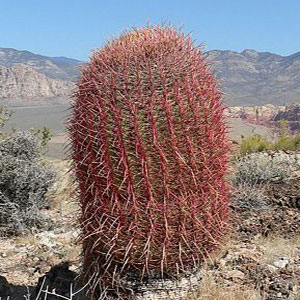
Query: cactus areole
[{"x": 149, "y": 146}]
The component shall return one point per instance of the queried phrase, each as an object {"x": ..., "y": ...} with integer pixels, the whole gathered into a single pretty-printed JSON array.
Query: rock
[
  {"x": 281, "y": 263},
  {"x": 161, "y": 289},
  {"x": 285, "y": 194},
  {"x": 271, "y": 268},
  {"x": 46, "y": 239},
  {"x": 4, "y": 287},
  {"x": 283, "y": 221},
  {"x": 268, "y": 115},
  {"x": 24, "y": 82},
  {"x": 235, "y": 274},
  {"x": 69, "y": 236},
  {"x": 222, "y": 263},
  {"x": 254, "y": 113}
]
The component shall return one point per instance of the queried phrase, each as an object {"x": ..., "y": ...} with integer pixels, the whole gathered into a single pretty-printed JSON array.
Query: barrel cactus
[{"x": 150, "y": 152}]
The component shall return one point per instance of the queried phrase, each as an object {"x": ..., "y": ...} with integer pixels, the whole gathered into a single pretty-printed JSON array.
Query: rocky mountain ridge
[
  {"x": 21, "y": 85},
  {"x": 257, "y": 78},
  {"x": 246, "y": 112},
  {"x": 31, "y": 79},
  {"x": 249, "y": 78},
  {"x": 62, "y": 68}
]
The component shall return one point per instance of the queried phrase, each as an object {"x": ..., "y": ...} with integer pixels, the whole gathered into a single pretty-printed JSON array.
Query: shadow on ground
[{"x": 55, "y": 284}]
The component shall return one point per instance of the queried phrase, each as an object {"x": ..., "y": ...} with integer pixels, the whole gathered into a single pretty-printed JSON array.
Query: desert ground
[
  {"x": 55, "y": 117},
  {"x": 258, "y": 260}
]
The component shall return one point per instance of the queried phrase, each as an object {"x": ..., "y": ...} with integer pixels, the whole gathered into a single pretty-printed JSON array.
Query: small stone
[
  {"x": 47, "y": 239},
  {"x": 222, "y": 263},
  {"x": 281, "y": 263},
  {"x": 272, "y": 268},
  {"x": 235, "y": 274}
]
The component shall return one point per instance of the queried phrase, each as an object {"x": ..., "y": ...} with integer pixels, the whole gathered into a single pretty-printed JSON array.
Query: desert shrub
[
  {"x": 284, "y": 143},
  {"x": 254, "y": 171},
  {"x": 44, "y": 135},
  {"x": 253, "y": 144},
  {"x": 5, "y": 114},
  {"x": 287, "y": 143},
  {"x": 261, "y": 168},
  {"x": 24, "y": 182},
  {"x": 296, "y": 142},
  {"x": 22, "y": 145},
  {"x": 247, "y": 196}
]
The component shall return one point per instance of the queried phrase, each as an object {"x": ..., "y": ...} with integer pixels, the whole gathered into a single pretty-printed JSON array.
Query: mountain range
[
  {"x": 257, "y": 78},
  {"x": 246, "y": 78},
  {"x": 61, "y": 68}
]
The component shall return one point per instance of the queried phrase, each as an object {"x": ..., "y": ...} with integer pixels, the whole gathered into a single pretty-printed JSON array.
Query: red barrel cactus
[{"x": 150, "y": 153}]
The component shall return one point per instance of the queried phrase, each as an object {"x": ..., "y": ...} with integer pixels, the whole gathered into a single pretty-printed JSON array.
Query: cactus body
[{"x": 150, "y": 153}]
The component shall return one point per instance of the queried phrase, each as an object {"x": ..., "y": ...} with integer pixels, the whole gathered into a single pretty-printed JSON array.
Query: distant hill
[
  {"x": 62, "y": 68},
  {"x": 21, "y": 85},
  {"x": 257, "y": 78},
  {"x": 247, "y": 78},
  {"x": 31, "y": 79}
]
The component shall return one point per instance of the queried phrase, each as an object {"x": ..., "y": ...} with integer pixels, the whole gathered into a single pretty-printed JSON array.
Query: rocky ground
[{"x": 259, "y": 261}]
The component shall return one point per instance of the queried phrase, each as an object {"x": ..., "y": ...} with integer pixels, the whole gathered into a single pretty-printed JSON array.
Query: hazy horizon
[{"x": 42, "y": 54}]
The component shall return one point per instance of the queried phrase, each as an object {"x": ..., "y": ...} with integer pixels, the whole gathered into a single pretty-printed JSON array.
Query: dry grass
[
  {"x": 64, "y": 188},
  {"x": 228, "y": 244},
  {"x": 276, "y": 247},
  {"x": 297, "y": 295},
  {"x": 26, "y": 240},
  {"x": 210, "y": 290}
]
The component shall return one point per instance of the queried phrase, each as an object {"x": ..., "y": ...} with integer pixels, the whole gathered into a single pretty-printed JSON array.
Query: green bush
[
  {"x": 284, "y": 143},
  {"x": 252, "y": 144},
  {"x": 296, "y": 143},
  {"x": 287, "y": 143}
]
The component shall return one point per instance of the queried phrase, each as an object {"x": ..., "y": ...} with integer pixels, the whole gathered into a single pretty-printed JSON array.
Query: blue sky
[{"x": 74, "y": 28}]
